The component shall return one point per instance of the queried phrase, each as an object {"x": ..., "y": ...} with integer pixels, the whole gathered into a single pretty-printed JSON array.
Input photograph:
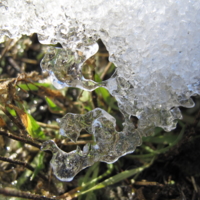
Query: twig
[
  {"x": 106, "y": 70},
  {"x": 194, "y": 184},
  {"x": 48, "y": 125},
  {"x": 71, "y": 193},
  {"x": 56, "y": 127},
  {"x": 8, "y": 134},
  {"x": 7, "y": 48},
  {"x": 14, "y": 64},
  {"x": 30, "y": 61},
  {"x": 147, "y": 183},
  {"x": 103, "y": 54},
  {"x": 18, "y": 162},
  {"x": 26, "y": 195},
  {"x": 85, "y": 135},
  {"x": 79, "y": 142}
]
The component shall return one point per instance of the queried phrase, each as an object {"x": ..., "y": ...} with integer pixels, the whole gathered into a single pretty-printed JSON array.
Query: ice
[
  {"x": 108, "y": 144},
  {"x": 65, "y": 165},
  {"x": 64, "y": 66},
  {"x": 155, "y": 46}
]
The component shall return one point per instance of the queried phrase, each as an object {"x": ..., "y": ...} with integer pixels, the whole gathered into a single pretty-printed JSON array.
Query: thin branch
[
  {"x": 30, "y": 61},
  {"x": 194, "y": 184},
  {"x": 79, "y": 142},
  {"x": 56, "y": 127},
  {"x": 106, "y": 70},
  {"x": 147, "y": 183},
  {"x": 14, "y": 137},
  {"x": 6, "y": 48},
  {"x": 24, "y": 164},
  {"x": 14, "y": 64},
  {"x": 85, "y": 135},
  {"x": 48, "y": 125},
  {"x": 102, "y": 54},
  {"x": 26, "y": 195}
]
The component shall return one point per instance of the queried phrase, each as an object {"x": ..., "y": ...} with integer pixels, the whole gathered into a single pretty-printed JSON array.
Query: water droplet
[
  {"x": 42, "y": 107},
  {"x": 14, "y": 182},
  {"x": 8, "y": 148}
]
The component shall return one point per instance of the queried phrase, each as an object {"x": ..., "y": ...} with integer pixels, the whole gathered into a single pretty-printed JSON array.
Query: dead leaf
[
  {"x": 22, "y": 115},
  {"x": 53, "y": 94},
  {"x": 2, "y": 122}
]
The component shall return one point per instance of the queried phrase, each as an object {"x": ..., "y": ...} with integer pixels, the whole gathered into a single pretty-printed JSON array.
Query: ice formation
[
  {"x": 155, "y": 46},
  {"x": 108, "y": 144}
]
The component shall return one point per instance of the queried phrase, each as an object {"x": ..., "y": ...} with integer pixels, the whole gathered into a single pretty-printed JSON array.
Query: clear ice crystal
[
  {"x": 64, "y": 66},
  {"x": 155, "y": 46},
  {"x": 107, "y": 147}
]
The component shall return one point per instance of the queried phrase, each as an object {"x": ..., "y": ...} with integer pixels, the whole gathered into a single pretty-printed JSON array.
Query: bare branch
[
  {"x": 14, "y": 137},
  {"x": 26, "y": 165}
]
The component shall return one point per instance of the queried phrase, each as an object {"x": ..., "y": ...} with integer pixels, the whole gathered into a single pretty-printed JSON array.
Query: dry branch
[
  {"x": 26, "y": 195},
  {"x": 14, "y": 137},
  {"x": 24, "y": 164}
]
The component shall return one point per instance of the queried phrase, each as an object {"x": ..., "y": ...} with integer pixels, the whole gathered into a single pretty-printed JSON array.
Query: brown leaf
[
  {"x": 53, "y": 94},
  {"x": 7, "y": 91},
  {"x": 2, "y": 122},
  {"x": 22, "y": 115}
]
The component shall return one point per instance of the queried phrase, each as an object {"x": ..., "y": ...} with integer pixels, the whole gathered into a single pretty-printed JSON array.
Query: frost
[{"x": 155, "y": 46}]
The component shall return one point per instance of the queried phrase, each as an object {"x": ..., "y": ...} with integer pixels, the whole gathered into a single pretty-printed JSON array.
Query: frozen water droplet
[
  {"x": 8, "y": 148},
  {"x": 58, "y": 120},
  {"x": 14, "y": 182},
  {"x": 62, "y": 132}
]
